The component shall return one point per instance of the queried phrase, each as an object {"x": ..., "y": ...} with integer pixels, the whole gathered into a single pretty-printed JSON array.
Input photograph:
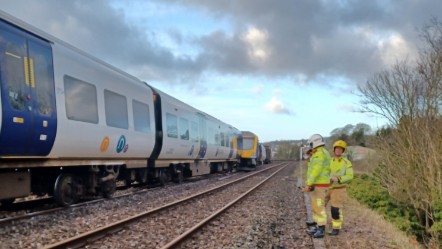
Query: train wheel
[
  {"x": 7, "y": 203},
  {"x": 178, "y": 176},
  {"x": 108, "y": 188},
  {"x": 65, "y": 190}
]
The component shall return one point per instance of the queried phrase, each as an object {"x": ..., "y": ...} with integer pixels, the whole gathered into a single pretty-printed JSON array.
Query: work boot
[
  {"x": 319, "y": 233},
  {"x": 333, "y": 232},
  {"x": 310, "y": 223},
  {"x": 312, "y": 230}
]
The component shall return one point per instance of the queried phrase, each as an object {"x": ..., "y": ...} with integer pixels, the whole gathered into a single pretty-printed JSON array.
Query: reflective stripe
[
  {"x": 31, "y": 73},
  {"x": 26, "y": 67}
]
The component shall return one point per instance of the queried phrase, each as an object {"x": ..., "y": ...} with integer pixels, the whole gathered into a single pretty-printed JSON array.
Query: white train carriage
[
  {"x": 71, "y": 125},
  {"x": 192, "y": 142},
  {"x": 261, "y": 154}
]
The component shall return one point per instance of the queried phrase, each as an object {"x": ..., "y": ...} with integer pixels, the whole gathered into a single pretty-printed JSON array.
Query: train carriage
[
  {"x": 192, "y": 142},
  {"x": 72, "y": 125}
]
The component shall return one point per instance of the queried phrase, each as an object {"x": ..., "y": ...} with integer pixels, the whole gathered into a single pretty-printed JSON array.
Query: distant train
[
  {"x": 248, "y": 149},
  {"x": 72, "y": 125}
]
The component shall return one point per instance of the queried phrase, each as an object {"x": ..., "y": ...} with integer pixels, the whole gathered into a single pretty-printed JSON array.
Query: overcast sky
[{"x": 282, "y": 69}]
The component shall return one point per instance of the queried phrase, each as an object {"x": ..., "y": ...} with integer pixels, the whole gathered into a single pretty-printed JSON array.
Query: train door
[
  {"x": 28, "y": 121},
  {"x": 202, "y": 122}
]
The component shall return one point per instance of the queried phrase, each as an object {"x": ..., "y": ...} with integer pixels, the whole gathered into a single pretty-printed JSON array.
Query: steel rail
[
  {"x": 93, "y": 235},
  {"x": 195, "y": 228}
]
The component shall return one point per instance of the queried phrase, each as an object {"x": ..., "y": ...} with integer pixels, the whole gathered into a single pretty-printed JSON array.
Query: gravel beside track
[{"x": 272, "y": 217}]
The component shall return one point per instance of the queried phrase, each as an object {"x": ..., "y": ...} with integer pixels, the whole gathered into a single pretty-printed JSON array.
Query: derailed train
[{"x": 72, "y": 125}]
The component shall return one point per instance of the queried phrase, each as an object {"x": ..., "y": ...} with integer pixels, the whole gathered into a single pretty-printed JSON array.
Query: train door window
[
  {"x": 141, "y": 116},
  {"x": 217, "y": 138},
  {"x": 115, "y": 107},
  {"x": 41, "y": 64},
  {"x": 194, "y": 131},
  {"x": 223, "y": 140},
  {"x": 15, "y": 70},
  {"x": 211, "y": 136},
  {"x": 227, "y": 140},
  {"x": 172, "y": 125},
  {"x": 80, "y": 100},
  {"x": 184, "y": 129}
]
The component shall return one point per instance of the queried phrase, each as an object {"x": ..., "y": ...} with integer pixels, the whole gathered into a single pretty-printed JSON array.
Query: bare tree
[{"x": 409, "y": 96}]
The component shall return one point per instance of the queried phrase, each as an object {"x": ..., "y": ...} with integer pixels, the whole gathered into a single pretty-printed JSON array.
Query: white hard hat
[{"x": 315, "y": 141}]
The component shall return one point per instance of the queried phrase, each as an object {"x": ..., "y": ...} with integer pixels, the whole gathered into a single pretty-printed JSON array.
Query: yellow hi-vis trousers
[
  {"x": 317, "y": 197},
  {"x": 337, "y": 197}
]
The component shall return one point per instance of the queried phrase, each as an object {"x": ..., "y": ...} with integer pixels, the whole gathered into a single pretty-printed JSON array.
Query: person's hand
[
  {"x": 307, "y": 188},
  {"x": 334, "y": 179}
]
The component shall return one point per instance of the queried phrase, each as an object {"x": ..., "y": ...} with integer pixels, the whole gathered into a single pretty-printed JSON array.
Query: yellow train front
[{"x": 246, "y": 144}]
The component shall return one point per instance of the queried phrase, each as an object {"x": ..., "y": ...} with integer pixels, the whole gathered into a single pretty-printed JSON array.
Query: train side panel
[
  {"x": 96, "y": 108},
  {"x": 193, "y": 139}
]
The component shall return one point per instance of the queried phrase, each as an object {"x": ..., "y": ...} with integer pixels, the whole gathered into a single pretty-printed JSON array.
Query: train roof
[{"x": 183, "y": 103}]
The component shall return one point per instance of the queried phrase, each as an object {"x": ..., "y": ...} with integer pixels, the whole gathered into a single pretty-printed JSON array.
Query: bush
[{"x": 368, "y": 190}]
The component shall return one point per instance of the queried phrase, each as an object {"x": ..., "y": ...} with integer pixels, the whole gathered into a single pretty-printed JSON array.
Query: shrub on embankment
[{"x": 367, "y": 190}]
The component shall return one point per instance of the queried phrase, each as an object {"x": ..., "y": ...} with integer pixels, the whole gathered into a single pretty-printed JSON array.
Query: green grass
[{"x": 368, "y": 191}]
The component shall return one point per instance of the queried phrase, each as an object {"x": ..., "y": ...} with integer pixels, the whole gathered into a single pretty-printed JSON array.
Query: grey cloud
[
  {"x": 295, "y": 30},
  {"x": 100, "y": 30},
  {"x": 293, "y": 26}
]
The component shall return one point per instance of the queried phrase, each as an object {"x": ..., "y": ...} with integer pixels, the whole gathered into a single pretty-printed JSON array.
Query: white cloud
[
  {"x": 257, "y": 40},
  {"x": 277, "y": 106},
  {"x": 394, "y": 48}
]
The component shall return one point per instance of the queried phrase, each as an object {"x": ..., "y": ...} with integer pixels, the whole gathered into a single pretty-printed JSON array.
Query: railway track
[
  {"x": 173, "y": 212},
  {"x": 37, "y": 230},
  {"x": 31, "y": 208}
]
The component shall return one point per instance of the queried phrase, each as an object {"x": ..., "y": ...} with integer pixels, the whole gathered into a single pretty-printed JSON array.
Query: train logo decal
[
  {"x": 191, "y": 151},
  {"x": 121, "y": 145},
  {"x": 203, "y": 148},
  {"x": 104, "y": 144}
]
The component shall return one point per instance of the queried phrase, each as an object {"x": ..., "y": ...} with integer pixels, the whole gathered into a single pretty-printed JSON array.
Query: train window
[
  {"x": 223, "y": 139},
  {"x": 141, "y": 116},
  {"x": 115, "y": 106},
  {"x": 184, "y": 129},
  {"x": 227, "y": 140},
  {"x": 194, "y": 131},
  {"x": 172, "y": 125},
  {"x": 211, "y": 136},
  {"x": 239, "y": 142},
  {"x": 41, "y": 65},
  {"x": 248, "y": 143},
  {"x": 14, "y": 68},
  {"x": 217, "y": 139},
  {"x": 80, "y": 100}
]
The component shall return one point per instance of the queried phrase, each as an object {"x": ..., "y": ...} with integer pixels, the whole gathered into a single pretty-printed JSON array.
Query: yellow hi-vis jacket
[
  {"x": 341, "y": 168},
  {"x": 318, "y": 172}
]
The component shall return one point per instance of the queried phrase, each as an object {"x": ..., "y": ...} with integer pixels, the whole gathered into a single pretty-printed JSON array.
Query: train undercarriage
[
  {"x": 68, "y": 185},
  {"x": 247, "y": 164}
]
